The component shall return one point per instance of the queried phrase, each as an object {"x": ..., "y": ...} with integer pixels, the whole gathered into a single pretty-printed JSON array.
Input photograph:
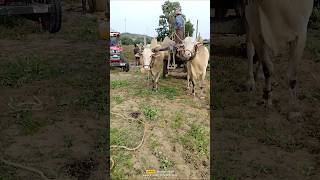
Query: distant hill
[
  {"x": 130, "y": 38},
  {"x": 134, "y": 36}
]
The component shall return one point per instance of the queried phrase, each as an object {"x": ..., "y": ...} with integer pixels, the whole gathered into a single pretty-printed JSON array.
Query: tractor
[
  {"x": 48, "y": 12},
  {"x": 116, "y": 56}
]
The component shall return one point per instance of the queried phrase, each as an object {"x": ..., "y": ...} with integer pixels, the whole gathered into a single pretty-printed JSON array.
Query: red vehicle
[{"x": 116, "y": 55}]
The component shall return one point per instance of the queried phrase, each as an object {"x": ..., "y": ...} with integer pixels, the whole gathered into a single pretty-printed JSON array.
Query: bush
[
  {"x": 126, "y": 41},
  {"x": 315, "y": 19}
]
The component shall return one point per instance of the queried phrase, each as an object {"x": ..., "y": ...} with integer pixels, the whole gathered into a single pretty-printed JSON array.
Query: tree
[
  {"x": 189, "y": 29},
  {"x": 167, "y": 20},
  {"x": 126, "y": 40}
]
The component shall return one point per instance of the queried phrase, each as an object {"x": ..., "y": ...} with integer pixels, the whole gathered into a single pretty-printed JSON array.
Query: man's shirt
[{"x": 180, "y": 22}]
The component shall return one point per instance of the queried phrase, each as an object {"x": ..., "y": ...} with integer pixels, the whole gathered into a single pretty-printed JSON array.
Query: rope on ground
[
  {"x": 35, "y": 106},
  {"x": 24, "y": 167},
  {"x": 125, "y": 147}
]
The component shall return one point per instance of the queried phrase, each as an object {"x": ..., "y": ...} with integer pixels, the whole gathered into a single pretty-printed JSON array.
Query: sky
[{"x": 142, "y": 16}]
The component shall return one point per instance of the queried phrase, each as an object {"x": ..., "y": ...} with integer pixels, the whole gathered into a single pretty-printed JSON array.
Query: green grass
[
  {"x": 21, "y": 70},
  {"x": 150, "y": 112},
  {"x": 196, "y": 140},
  {"x": 169, "y": 92},
  {"x": 315, "y": 18},
  {"x": 118, "y": 99},
  {"x": 119, "y": 84},
  {"x": 154, "y": 142},
  {"x": 313, "y": 44},
  {"x": 17, "y": 28},
  {"x": 81, "y": 29},
  {"x": 166, "y": 163},
  {"x": 68, "y": 141},
  {"x": 123, "y": 159},
  {"x": 27, "y": 123},
  {"x": 123, "y": 165},
  {"x": 178, "y": 120}
]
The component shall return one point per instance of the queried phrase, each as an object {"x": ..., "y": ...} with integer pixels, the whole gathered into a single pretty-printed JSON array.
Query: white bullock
[{"x": 273, "y": 26}]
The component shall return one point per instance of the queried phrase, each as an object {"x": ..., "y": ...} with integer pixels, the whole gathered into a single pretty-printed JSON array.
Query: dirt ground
[
  {"x": 52, "y": 100},
  {"x": 177, "y": 133},
  {"x": 251, "y": 143}
]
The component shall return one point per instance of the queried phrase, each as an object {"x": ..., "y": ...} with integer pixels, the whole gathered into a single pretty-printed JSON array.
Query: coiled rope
[{"x": 125, "y": 147}]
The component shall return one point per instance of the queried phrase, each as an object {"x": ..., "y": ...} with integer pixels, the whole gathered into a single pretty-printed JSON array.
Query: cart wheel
[
  {"x": 52, "y": 22},
  {"x": 126, "y": 68},
  {"x": 92, "y": 5}
]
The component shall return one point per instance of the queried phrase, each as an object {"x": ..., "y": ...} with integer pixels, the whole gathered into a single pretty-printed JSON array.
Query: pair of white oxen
[{"x": 195, "y": 53}]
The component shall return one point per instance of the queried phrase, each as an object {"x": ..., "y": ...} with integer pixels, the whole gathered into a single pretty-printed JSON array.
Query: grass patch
[
  {"x": 166, "y": 163},
  {"x": 315, "y": 18},
  {"x": 123, "y": 163},
  {"x": 154, "y": 142},
  {"x": 22, "y": 70},
  {"x": 123, "y": 159},
  {"x": 150, "y": 112},
  {"x": 286, "y": 142},
  {"x": 196, "y": 139},
  {"x": 118, "y": 99},
  {"x": 313, "y": 44},
  {"x": 169, "y": 92},
  {"x": 177, "y": 121},
  {"x": 80, "y": 29},
  {"x": 117, "y": 137},
  {"x": 68, "y": 141},
  {"x": 94, "y": 98},
  {"x": 28, "y": 125},
  {"x": 119, "y": 84},
  {"x": 17, "y": 28}
]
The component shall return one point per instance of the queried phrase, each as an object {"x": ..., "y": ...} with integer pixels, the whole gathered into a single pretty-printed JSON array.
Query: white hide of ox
[
  {"x": 197, "y": 56},
  {"x": 153, "y": 62},
  {"x": 273, "y": 26}
]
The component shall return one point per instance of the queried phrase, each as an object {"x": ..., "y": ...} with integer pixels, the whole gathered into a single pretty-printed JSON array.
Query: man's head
[{"x": 178, "y": 11}]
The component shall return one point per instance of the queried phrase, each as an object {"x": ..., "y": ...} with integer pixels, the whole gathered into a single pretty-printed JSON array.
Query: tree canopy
[{"x": 167, "y": 21}]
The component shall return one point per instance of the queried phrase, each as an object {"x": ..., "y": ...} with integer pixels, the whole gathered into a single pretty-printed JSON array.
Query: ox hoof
[
  {"x": 251, "y": 86},
  {"x": 294, "y": 116},
  {"x": 268, "y": 104}
]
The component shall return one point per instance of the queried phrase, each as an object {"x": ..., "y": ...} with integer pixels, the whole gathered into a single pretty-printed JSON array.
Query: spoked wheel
[
  {"x": 92, "y": 5},
  {"x": 52, "y": 22},
  {"x": 126, "y": 68}
]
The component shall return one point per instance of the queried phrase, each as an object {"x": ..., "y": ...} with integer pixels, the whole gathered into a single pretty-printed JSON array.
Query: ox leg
[
  {"x": 193, "y": 87},
  {"x": 202, "y": 86},
  {"x": 157, "y": 81},
  {"x": 250, "y": 54},
  {"x": 267, "y": 67},
  {"x": 188, "y": 76},
  {"x": 296, "y": 51}
]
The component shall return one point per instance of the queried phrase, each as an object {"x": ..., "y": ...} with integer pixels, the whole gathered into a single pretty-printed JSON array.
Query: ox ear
[
  {"x": 155, "y": 54},
  {"x": 197, "y": 45}
]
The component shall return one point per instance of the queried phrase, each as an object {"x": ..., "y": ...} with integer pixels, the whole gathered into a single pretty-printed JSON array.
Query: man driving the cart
[{"x": 179, "y": 27}]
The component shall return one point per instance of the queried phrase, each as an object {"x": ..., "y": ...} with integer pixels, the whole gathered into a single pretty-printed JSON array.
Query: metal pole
[
  {"x": 197, "y": 30},
  {"x": 125, "y": 25}
]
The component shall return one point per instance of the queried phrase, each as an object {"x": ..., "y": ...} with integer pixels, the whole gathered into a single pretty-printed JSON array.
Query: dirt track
[
  {"x": 251, "y": 143},
  {"x": 65, "y": 71}
]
